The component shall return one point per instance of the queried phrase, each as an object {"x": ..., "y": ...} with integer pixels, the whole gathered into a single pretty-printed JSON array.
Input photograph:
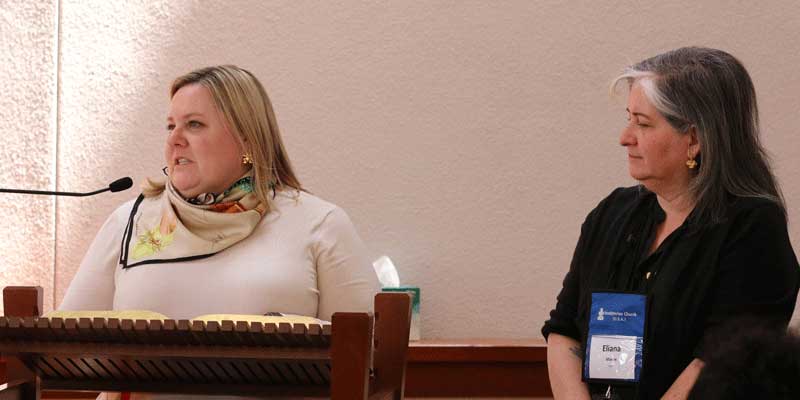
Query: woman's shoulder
[
  {"x": 117, "y": 220},
  {"x": 741, "y": 206},
  {"x": 123, "y": 211},
  {"x": 748, "y": 213},
  {"x": 300, "y": 208},
  {"x": 754, "y": 223},
  {"x": 292, "y": 199},
  {"x": 304, "y": 205}
]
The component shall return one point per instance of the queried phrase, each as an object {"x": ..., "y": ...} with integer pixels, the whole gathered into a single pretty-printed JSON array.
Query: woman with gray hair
[{"x": 702, "y": 240}]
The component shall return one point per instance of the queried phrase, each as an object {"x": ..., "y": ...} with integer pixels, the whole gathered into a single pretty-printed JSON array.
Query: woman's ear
[
  {"x": 694, "y": 143},
  {"x": 243, "y": 144}
]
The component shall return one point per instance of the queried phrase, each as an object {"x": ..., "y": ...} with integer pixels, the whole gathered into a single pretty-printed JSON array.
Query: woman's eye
[
  {"x": 194, "y": 124},
  {"x": 170, "y": 127}
]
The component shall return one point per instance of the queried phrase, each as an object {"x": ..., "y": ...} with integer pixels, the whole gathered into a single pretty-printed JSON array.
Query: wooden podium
[{"x": 357, "y": 356}]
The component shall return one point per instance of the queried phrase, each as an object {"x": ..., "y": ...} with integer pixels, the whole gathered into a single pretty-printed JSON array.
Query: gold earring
[
  {"x": 691, "y": 163},
  {"x": 246, "y": 160}
]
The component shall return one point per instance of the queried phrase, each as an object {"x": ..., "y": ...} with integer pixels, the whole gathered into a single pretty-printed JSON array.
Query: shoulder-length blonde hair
[{"x": 244, "y": 103}]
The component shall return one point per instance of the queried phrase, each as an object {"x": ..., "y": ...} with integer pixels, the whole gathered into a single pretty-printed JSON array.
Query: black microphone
[
  {"x": 116, "y": 186},
  {"x": 120, "y": 184}
]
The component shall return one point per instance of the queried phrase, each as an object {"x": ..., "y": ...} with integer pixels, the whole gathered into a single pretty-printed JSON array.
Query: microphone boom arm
[
  {"x": 22, "y": 191},
  {"x": 116, "y": 186}
]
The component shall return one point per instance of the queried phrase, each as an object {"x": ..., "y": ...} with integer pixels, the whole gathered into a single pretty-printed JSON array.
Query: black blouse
[{"x": 698, "y": 278}]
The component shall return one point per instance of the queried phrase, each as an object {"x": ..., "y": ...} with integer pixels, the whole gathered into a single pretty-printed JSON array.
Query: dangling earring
[
  {"x": 691, "y": 163},
  {"x": 246, "y": 160}
]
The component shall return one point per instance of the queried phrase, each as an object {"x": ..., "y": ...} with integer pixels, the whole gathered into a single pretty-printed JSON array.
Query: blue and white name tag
[{"x": 616, "y": 337}]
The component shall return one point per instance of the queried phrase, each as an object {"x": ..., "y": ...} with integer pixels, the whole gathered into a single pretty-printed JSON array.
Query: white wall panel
[
  {"x": 467, "y": 140},
  {"x": 28, "y": 55}
]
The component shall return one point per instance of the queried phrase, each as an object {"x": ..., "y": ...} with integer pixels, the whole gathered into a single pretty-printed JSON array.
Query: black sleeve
[
  {"x": 562, "y": 317},
  {"x": 758, "y": 274}
]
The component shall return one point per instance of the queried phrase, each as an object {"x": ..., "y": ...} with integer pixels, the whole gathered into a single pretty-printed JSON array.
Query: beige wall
[
  {"x": 467, "y": 139},
  {"x": 28, "y": 135}
]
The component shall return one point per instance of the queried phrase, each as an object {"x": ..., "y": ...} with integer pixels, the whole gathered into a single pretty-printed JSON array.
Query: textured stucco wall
[
  {"x": 28, "y": 54},
  {"x": 467, "y": 140}
]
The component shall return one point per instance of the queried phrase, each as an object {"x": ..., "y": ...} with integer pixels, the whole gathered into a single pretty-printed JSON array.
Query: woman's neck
[{"x": 677, "y": 204}]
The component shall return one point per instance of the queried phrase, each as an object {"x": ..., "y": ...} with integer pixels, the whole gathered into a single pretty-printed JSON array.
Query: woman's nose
[
  {"x": 176, "y": 137},
  {"x": 627, "y": 138}
]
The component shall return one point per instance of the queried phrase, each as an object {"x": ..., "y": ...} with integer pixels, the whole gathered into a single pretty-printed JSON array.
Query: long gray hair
[{"x": 710, "y": 90}]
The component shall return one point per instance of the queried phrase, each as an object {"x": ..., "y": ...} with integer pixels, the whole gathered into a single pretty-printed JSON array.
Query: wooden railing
[
  {"x": 455, "y": 368},
  {"x": 195, "y": 357}
]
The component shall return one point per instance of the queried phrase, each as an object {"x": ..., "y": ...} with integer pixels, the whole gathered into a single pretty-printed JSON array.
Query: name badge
[{"x": 616, "y": 337}]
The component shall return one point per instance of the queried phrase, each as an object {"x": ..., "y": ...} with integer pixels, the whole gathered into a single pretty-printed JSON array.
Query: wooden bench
[{"x": 341, "y": 360}]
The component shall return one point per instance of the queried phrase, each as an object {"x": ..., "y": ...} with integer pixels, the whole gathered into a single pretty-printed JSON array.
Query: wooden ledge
[
  {"x": 478, "y": 350},
  {"x": 477, "y": 368}
]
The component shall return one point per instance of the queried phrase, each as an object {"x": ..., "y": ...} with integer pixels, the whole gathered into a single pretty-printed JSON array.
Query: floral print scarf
[{"x": 167, "y": 228}]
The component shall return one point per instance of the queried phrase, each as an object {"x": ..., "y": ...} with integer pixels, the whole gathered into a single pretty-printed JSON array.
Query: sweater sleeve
[
  {"x": 92, "y": 287},
  {"x": 345, "y": 277},
  {"x": 758, "y": 274}
]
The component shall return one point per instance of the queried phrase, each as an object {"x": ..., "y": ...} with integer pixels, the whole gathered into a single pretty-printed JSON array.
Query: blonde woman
[{"x": 230, "y": 230}]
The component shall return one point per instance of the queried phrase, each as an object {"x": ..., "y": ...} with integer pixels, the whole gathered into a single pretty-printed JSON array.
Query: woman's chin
[
  {"x": 641, "y": 178},
  {"x": 185, "y": 189},
  {"x": 636, "y": 173}
]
